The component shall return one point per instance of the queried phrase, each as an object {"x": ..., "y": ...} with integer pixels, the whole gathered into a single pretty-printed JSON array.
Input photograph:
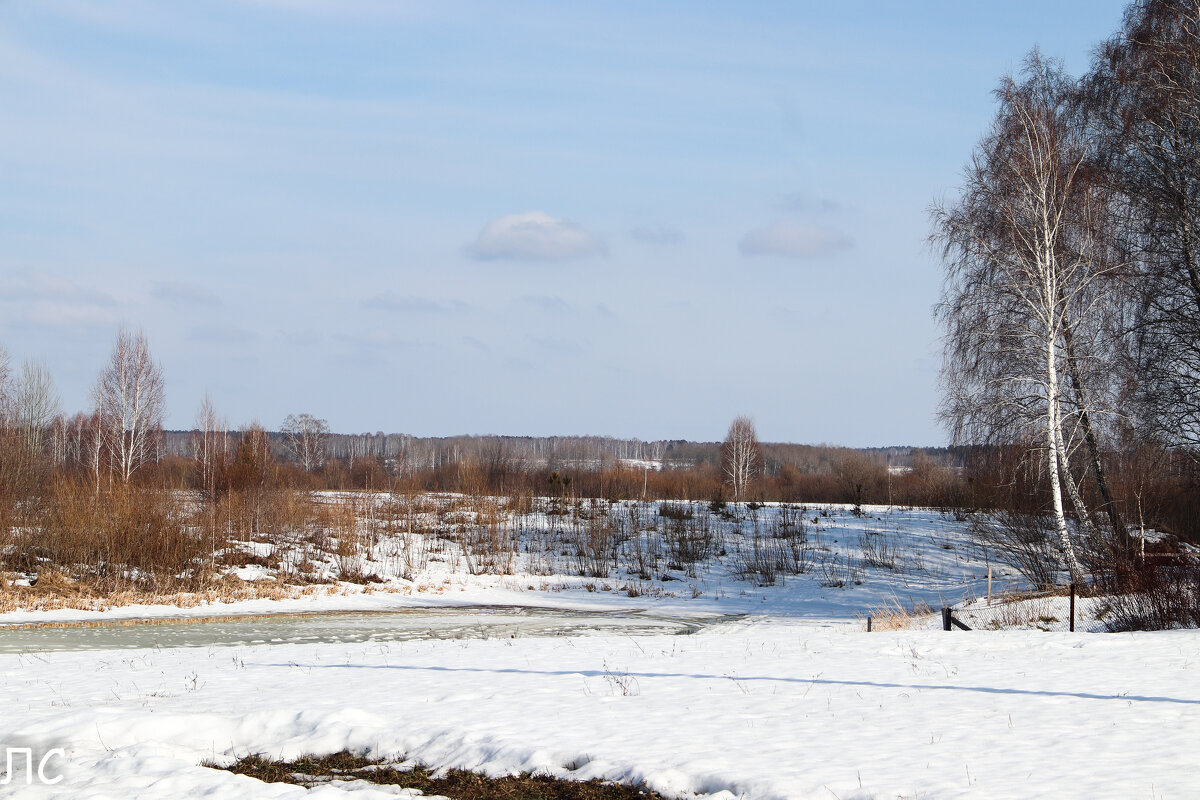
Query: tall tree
[
  {"x": 1021, "y": 252},
  {"x": 741, "y": 456},
  {"x": 35, "y": 403},
  {"x": 307, "y": 438},
  {"x": 5, "y": 376},
  {"x": 1144, "y": 104},
  {"x": 130, "y": 401},
  {"x": 209, "y": 444}
]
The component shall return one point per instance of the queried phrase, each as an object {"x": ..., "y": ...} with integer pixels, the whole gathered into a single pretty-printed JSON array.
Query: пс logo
[{"x": 14, "y": 754}]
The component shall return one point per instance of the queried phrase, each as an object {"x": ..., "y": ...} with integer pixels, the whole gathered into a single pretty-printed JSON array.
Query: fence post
[
  {"x": 868, "y": 624},
  {"x": 945, "y": 618},
  {"x": 1072, "y": 608}
]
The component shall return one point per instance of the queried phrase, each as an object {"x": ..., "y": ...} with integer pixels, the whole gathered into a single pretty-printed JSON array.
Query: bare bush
[
  {"x": 1162, "y": 592},
  {"x": 595, "y": 540},
  {"x": 879, "y": 550},
  {"x": 837, "y": 572},
  {"x": 677, "y": 511},
  {"x": 759, "y": 562},
  {"x": 644, "y": 553},
  {"x": 689, "y": 542},
  {"x": 1026, "y": 542},
  {"x": 488, "y": 542}
]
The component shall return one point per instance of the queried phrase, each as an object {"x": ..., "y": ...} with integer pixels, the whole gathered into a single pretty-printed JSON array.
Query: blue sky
[{"x": 628, "y": 219}]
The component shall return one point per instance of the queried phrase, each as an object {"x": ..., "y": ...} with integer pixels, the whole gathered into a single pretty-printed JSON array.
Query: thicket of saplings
[{"x": 180, "y": 523}]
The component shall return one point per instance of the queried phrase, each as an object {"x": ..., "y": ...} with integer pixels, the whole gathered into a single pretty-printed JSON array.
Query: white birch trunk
[{"x": 1053, "y": 434}]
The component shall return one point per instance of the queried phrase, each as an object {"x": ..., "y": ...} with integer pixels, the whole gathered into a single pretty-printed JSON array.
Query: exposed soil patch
[{"x": 456, "y": 784}]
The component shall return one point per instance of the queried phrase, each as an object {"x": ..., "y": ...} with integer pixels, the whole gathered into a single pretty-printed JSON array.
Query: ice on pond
[{"x": 346, "y": 627}]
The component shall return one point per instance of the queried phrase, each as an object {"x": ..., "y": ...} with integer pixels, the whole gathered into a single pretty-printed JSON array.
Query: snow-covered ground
[
  {"x": 761, "y": 709},
  {"x": 793, "y": 700},
  {"x": 842, "y": 564}
]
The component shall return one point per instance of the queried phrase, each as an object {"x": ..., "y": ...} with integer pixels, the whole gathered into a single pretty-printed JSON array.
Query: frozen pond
[{"x": 482, "y": 622}]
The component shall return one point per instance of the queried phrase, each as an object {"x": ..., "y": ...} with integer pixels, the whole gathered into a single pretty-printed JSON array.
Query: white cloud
[
  {"x": 793, "y": 239},
  {"x": 534, "y": 236}
]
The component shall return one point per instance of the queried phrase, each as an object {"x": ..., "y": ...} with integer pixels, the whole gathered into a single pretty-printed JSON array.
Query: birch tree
[
  {"x": 130, "y": 402},
  {"x": 5, "y": 375},
  {"x": 1144, "y": 105},
  {"x": 1021, "y": 250},
  {"x": 307, "y": 438},
  {"x": 35, "y": 403},
  {"x": 209, "y": 443},
  {"x": 741, "y": 456}
]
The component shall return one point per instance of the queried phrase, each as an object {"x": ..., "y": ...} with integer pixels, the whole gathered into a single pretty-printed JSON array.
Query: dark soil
[{"x": 456, "y": 784}]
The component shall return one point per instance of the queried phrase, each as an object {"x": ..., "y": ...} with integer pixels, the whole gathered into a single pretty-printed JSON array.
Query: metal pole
[
  {"x": 945, "y": 618},
  {"x": 1072, "y": 608}
]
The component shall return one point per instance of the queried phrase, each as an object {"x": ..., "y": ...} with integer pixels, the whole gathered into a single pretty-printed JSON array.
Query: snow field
[
  {"x": 759, "y": 708},
  {"x": 792, "y": 701}
]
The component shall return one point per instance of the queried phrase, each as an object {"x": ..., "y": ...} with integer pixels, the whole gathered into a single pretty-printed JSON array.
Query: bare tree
[
  {"x": 1024, "y": 268},
  {"x": 741, "y": 456},
  {"x": 859, "y": 474},
  {"x": 35, "y": 403},
  {"x": 1144, "y": 102},
  {"x": 209, "y": 443},
  {"x": 130, "y": 400},
  {"x": 307, "y": 438},
  {"x": 5, "y": 377}
]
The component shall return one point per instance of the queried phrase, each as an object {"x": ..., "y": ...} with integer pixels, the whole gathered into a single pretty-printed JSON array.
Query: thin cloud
[
  {"x": 48, "y": 301},
  {"x": 657, "y": 234},
  {"x": 184, "y": 294},
  {"x": 32, "y": 286},
  {"x": 221, "y": 334},
  {"x": 556, "y": 345},
  {"x": 799, "y": 201},
  {"x": 379, "y": 339},
  {"x": 411, "y": 304},
  {"x": 791, "y": 239},
  {"x": 544, "y": 302},
  {"x": 50, "y": 314},
  {"x": 534, "y": 236},
  {"x": 476, "y": 344}
]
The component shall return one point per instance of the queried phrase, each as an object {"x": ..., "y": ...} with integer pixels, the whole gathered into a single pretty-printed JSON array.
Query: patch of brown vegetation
[
  {"x": 895, "y": 617},
  {"x": 55, "y": 590},
  {"x": 456, "y": 784}
]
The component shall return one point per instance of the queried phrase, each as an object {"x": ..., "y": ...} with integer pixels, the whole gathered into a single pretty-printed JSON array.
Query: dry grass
[
  {"x": 453, "y": 783},
  {"x": 117, "y": 537},
  {"x": 1019, "y": 611},
  {"x": 895, "y": 617},
  {"x": 56, "y": 591}
]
